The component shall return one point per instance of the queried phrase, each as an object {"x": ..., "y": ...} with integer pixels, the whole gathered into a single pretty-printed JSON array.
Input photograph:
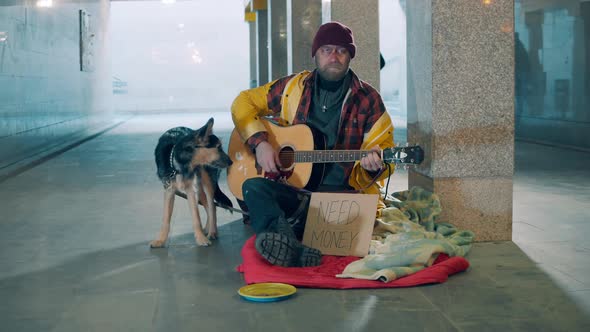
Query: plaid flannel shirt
[{"x": 361, "y": 109}]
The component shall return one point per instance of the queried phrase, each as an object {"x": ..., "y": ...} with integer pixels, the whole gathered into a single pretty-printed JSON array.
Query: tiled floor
[{"x": 74, "y": 254}]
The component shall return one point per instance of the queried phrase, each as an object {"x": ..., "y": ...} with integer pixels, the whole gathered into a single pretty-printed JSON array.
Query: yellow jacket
[{"x": 289, "y": 98}]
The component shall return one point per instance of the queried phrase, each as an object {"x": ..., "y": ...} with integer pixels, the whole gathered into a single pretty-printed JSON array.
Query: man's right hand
[{"x": 267, "y": 157}]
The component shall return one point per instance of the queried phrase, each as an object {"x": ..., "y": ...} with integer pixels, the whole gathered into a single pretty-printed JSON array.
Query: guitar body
[
  {"x": 283, "y": 139},
  {"x": 301, "y": 164}
]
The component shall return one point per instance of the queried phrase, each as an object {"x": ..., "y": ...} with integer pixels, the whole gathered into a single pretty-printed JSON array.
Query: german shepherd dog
[{"x": 191, "y": 161}]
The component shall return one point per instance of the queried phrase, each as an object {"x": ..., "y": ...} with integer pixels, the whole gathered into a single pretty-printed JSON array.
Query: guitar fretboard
[{"x": 327, "y": 156}]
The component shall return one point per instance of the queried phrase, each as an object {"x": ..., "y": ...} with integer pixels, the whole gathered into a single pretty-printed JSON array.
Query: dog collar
[{"x": 172, "y": 162}]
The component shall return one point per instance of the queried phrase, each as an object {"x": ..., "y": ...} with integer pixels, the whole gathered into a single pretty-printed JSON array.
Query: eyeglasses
[{"x": 327, "y": 50}]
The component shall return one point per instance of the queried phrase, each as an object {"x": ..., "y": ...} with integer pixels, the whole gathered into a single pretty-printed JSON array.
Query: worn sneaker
[{"x": 284, "y": 250}]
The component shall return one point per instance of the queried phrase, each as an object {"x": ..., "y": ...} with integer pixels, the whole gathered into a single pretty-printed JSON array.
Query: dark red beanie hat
[{"x": 334, "y": 33}]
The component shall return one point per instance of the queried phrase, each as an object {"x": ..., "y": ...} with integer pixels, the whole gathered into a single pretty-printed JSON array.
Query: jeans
[{"x": 268, "y": 200}]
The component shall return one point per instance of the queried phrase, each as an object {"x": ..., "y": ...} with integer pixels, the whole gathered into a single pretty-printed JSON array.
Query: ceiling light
[{"x": 44, "y": 3}]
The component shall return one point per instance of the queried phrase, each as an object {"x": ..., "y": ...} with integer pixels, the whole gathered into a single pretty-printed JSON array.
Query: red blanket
[{"x": 256, "y": 269}]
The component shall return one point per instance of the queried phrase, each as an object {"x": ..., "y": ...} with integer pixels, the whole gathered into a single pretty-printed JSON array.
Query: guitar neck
[{"x": 329, "y": 156}]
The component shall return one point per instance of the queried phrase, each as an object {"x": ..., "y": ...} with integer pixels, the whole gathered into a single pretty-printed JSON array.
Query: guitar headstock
[{"x": 413, "y": 155}]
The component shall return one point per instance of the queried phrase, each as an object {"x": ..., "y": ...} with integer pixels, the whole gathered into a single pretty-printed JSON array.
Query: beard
[{"x": 332, "y": 72}]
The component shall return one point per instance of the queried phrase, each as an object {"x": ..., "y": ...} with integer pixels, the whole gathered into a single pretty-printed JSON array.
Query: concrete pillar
[
  {"x": 362, "y": 16},
  {"x": 304, "y": 17},
  {"x": 461, "y": 109},
  {"x": 259, "y": 7},
  {"x": 277, "y": 37},
  {"x": 253, "y": 60}
]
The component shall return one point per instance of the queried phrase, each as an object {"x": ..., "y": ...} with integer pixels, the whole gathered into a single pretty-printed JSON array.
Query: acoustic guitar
[{"x": 300, "y": 160}]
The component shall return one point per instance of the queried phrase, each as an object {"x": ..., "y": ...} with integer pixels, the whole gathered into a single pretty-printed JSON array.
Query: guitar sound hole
[{"x": 287, "y": 157}]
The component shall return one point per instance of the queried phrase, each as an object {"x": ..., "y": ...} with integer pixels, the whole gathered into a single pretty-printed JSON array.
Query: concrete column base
[{"x": 481, "y": 205}]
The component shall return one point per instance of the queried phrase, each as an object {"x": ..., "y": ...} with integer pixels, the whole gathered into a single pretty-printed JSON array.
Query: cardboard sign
[{"x": 340, "y": 224}]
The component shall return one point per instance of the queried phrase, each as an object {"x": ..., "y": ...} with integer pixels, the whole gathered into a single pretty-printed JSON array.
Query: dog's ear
[{"x": 207, "y": 129}]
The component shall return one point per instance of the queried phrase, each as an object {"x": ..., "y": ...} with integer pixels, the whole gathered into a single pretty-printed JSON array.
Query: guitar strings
[{"x": 289, "y": 156}]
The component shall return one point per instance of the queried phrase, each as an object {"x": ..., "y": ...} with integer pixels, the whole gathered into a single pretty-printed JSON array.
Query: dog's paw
[
  {"x": 212, "y": 235},
  {"x": 157, "y": 244},
  {"x": 203, "y": 242}
]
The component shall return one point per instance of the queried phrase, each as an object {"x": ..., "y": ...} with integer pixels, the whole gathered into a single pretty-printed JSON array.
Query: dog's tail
[{"x": 222, "y": 199}]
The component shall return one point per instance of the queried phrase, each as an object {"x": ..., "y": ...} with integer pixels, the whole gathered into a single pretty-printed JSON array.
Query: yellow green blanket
[{"x": 406, "y": 238}]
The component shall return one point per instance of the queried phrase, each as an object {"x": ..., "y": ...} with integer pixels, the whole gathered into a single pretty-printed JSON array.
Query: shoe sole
[{"x": 283, "y": 250}]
